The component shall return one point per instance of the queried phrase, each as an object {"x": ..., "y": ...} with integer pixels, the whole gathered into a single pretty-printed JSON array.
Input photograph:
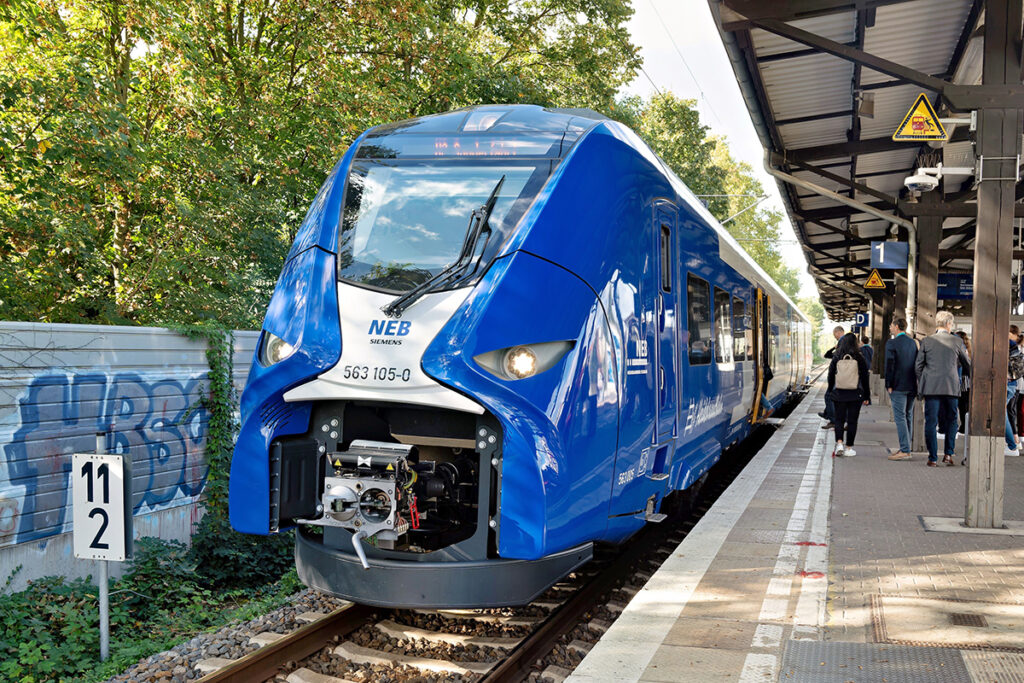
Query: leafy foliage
[
  {"x": 156, "y": 156},
  {"x": 50, "y": 631}
]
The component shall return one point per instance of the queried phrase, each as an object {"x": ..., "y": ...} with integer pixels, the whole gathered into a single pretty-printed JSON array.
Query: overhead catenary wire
[
  {"x": 685, "y": 63},
  {"x": 653, "y": 84}
]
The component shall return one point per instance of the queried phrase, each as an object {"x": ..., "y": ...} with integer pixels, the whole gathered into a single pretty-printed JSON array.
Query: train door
[
  {"x": 762, "y": 351},
  {"x": 668, "y": 372}
]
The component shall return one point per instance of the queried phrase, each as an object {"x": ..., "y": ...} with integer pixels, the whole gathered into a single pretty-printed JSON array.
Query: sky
[{"x": 683, "y": 53}]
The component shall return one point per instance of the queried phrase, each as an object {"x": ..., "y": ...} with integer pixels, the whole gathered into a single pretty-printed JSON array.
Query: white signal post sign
[
  {"x": 98, "y": 494},
  {"x": 101, "y": 496}
]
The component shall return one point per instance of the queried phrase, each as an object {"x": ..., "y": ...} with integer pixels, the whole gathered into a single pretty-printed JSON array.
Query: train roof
[{"x": 506, "y": 119}]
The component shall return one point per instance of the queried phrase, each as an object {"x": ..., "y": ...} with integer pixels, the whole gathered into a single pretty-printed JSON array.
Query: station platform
[{"x": 813, "y": 568}]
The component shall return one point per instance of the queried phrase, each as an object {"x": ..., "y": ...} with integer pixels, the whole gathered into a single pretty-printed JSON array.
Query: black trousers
[{"x": 847, "y": 414}]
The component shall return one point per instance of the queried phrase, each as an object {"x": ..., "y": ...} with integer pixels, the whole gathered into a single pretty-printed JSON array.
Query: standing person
[
  {"x": 1013, "y": 374},
  {"x": 964, "y": 402},
  {"x": 848, "y": 382},
  {"x": 901, "y": 383},
  {"x": 867, "y": 351},
  {"x": 829, "y": 413},
  {"x": 938, "y": 381}
]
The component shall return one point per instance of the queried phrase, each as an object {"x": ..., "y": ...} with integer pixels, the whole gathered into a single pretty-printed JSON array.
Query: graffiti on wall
[{"x": 155, "y": 417}]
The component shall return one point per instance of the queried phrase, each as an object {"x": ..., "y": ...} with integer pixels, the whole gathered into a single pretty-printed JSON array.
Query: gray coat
[{"x": 937, "y": 362}]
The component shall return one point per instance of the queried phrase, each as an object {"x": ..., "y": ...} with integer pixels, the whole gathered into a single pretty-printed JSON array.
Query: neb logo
[{"x": 390, "y": 328}]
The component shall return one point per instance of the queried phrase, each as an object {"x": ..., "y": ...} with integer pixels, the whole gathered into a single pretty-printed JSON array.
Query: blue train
[{"x": 502, "y": 335}]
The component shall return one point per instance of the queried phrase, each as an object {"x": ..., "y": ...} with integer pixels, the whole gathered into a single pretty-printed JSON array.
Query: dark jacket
[
  {"x": 868, "y": 352},
  {"x": 861, "y": 393},
  {"x": 936, "y": 364},
  {"x": 900, "y": 356}
]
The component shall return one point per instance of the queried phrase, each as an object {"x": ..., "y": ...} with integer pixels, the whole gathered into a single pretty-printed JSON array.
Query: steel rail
[
  {"x": 270, "y": 659},
  {"x": 516, "y": 666}
]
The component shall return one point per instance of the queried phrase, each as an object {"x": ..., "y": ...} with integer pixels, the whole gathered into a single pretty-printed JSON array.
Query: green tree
[
  {"x": 672, "y": 127},
  {"x": 157, "y": 156},
  {"x": 813, "y": 309},
  {"x": 757, "y": 230}
]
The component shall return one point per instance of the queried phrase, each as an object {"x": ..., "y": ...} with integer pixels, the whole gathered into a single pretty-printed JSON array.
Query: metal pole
[
  {"x": 925, "y": 297},
  {"x": 101, "y": 448},
  {"x": 999, "y": 135}
]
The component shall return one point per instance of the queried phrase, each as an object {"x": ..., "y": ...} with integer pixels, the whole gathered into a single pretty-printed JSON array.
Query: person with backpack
[
  {"x": 848, "y": 384},
  {"x": 938, "y": 381}
]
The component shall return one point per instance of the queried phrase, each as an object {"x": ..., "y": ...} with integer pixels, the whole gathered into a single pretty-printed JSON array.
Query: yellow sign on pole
[
  {"x": 920, "y": 123},
  {"x": 874, "y": 281}
]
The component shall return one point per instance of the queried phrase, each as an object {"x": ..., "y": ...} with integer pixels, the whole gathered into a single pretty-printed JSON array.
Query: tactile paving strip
[
  {"x": 806, "y": 661},
  {"x": 1004, "y": 667}
]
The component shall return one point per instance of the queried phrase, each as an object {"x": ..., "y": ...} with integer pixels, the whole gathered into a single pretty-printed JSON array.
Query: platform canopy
[{"x": 827, "y": 84}]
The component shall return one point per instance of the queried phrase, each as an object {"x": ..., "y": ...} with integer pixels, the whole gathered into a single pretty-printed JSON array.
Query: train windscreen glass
[{"x": 405, "y": 221}]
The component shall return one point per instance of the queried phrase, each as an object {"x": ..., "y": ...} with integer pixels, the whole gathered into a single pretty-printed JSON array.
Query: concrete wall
[{"x": 59, "y": 385}]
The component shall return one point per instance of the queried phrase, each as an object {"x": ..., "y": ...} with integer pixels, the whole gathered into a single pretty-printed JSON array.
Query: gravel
[{"x": 230, "y": 642}]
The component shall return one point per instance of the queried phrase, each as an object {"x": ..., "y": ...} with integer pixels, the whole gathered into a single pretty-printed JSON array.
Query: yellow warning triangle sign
[
  {"x": 337, "y": 462},
  {"x": 920, "y": 123},
  {"x": 874, "y": 281}
]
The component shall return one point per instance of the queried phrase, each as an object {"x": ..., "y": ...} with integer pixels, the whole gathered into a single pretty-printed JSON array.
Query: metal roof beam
[
  {"x": 830, "y": 212},
  {"x": 949, "y": 209},
  {"x": 849, "y": 149},
  {"x": 792, "y": 54},
  {"x": 961, "y": 97},
  {"x": 814, "y": 117},
  {"x": 837, "y": 230},
  {"x": 851, "y": 184},
  {"x": 793, "y": 9}
]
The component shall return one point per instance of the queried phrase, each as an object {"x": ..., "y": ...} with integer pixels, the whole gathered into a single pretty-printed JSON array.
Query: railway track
[{"x": 359, "y": 643}]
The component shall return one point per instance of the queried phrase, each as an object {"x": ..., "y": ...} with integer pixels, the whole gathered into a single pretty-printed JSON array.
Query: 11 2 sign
[{"x": 102, "y": 526}]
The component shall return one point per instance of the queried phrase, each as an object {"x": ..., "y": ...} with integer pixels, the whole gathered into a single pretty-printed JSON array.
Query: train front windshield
[{"x": 405, "y": 220}]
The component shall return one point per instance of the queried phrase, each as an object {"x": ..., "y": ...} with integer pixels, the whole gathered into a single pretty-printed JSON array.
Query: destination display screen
[{"x": 408, "y": 146}]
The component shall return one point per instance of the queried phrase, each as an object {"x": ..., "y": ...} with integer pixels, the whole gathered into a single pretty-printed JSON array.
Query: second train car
[{"x": 502, "y": 335}]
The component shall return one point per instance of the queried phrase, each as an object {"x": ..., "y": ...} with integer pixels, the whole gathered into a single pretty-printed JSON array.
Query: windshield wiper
[{"x": 478, "y": 225}]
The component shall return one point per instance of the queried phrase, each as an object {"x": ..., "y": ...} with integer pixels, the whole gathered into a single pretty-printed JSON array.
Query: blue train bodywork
[{"x": 604, "y": 343}]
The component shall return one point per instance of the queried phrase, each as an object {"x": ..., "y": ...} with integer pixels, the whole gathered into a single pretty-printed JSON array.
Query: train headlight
[
  {"x": 523, "y": 360},
  {"x": 520, "y": 362},
  {"x": 273, "y": 349}
]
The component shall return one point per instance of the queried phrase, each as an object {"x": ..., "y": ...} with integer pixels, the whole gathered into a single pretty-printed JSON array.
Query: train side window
[
  {"x": 723, "y": 327},
  {"x": 698, "y": 304},
  {"x": 739, "y": 329},
  {"x": 666, "y": 258}
]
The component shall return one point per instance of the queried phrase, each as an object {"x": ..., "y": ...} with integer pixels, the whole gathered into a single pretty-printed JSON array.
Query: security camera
[{"x": 921, "y": 182}]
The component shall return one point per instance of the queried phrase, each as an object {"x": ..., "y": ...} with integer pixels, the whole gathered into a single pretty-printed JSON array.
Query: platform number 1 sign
[{"x": 99, "y": 497}]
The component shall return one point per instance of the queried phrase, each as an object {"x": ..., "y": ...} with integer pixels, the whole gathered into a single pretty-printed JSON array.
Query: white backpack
[{"x": 847, "y": 373}]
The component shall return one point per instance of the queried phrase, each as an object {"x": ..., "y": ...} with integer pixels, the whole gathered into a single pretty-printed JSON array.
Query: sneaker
[
  {"x": 849, "y": 453},
  {"x": 838, "y": 452},
  {"x": 900, "y": 455},
  {"x": 1011, "y": 452}
]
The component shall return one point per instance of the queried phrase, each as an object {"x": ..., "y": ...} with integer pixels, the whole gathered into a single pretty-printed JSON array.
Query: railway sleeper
[
  {"x": 402, "y": 632},
  {"x": 476, "y": 615},
  {"x": 305, "y": 675},
  {"x": 358, "y": 654}
]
